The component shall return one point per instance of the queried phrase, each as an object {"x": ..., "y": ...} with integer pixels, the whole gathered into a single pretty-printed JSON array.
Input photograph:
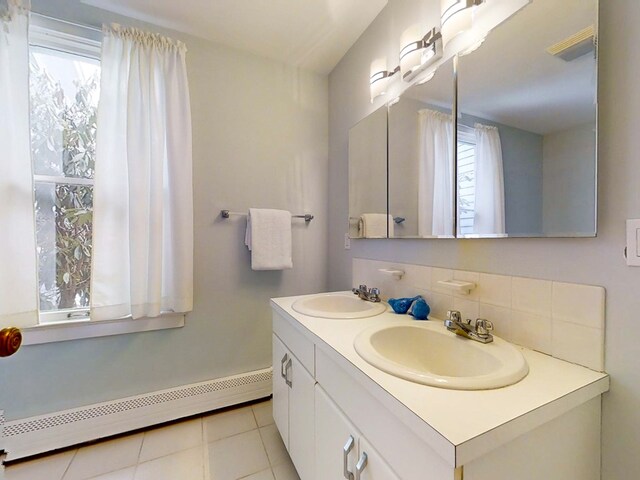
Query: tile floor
[{"x": 241, "y": 443}]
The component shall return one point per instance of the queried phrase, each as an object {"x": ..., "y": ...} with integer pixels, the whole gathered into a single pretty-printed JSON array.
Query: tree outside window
[{"x": 64, "y": 97}]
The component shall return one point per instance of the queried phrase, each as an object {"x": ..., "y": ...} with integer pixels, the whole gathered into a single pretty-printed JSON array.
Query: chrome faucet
[
  {"x": 478, "y": 331},
  {"x": 368, "y": 294}
]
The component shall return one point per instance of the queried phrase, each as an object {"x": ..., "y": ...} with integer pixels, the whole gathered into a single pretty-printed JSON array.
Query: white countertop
[{"x": 469, "y": 420}]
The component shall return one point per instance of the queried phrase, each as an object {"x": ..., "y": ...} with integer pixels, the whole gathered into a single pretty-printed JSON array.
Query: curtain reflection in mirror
[
  {"x": 489, "y": 204},
  {"x": 435, "y": 206}
]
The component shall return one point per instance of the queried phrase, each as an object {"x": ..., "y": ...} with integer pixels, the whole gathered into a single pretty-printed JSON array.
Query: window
[
  {"x": 64, "y": 90},
  {"x": 64, "y": 86},
  {"x": 466, "y": 179}
]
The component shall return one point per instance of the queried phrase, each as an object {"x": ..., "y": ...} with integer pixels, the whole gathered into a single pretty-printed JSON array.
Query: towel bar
[
  {"x": 395, "y": 219},
  {"x": 226, "y": 214}
]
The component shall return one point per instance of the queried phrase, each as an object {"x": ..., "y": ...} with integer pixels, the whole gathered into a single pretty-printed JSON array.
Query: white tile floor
[{"x": 241, "y": 443}]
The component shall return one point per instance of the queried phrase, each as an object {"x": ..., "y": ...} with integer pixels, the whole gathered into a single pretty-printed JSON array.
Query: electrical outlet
[{"x": 347, "y": 242}]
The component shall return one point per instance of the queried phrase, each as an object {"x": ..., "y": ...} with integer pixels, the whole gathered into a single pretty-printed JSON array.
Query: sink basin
[
  {"x": 429, "y": 354},
  {"x": 337, "y": 306}
]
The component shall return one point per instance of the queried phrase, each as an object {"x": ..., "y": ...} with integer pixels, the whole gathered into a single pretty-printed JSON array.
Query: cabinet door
[
  {"x": 281, "y": 357},
  {"x": 375, "y": 468},
  {"x": 301, "y": 419},
  {"x": 336, "y": 442}
]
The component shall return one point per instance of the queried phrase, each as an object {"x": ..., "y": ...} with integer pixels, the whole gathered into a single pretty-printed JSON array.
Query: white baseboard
[{"x": 44, "y": 433}]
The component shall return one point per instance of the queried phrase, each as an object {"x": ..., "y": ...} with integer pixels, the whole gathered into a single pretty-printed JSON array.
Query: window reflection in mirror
[
  {"x": 421, "y": 166},
  {"x": 368, "y": 177},
  {"x": 527, "y": 126}
]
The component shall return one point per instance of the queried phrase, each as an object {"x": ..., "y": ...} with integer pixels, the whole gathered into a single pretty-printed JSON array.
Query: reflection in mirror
[
  {"x": 421, "y": 167},
  {"x": 368, "y": 177},
  {"x": 527, "y": 125}
]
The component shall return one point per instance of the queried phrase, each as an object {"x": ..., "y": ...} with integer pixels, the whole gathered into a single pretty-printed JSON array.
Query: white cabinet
[
  {"x": 293, "y": 407},
  {"x": 333, "y": 418},
  {"x": 341, "y": 450},
  {"x": 281, "y": 357},
  {"x": 301, "y": 423}
]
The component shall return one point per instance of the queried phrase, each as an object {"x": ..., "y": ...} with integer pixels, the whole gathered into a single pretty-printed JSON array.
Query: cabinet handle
[
  {"x": 345, "y": 457},
  {"x": 361, "y": 465},
  {"x": 287, "y": 369},
  {"x": 283, "y": 372}
]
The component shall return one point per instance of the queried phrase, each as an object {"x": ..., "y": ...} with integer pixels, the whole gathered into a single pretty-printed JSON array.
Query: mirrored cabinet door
[
  {"x": 421, "y": 159},
  {"x": 368, "y": 177},
  {"x": 526, "y": 147}
]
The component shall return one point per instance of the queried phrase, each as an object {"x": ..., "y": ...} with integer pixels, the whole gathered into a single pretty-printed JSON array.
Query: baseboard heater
[{"x": 53, "y": 431}]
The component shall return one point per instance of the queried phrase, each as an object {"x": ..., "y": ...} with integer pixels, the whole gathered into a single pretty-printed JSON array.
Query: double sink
[{"x": 421, "y": 352}]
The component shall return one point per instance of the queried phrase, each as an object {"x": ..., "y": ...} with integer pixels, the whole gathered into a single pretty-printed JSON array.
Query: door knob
[{"x": 10, "y": 341}]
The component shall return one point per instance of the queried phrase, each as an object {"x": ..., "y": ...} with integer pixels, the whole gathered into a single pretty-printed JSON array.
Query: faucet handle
[
  {"x": 374, "y": 291},
  {"x": 454, "y": 315},
  {"x": 360, "y": 290},
  {"x": 483, "y": 327}
]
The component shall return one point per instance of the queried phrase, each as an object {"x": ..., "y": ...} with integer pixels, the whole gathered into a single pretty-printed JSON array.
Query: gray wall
[
  {"x": 367, "y": 160},
  {"x": 404, "y": 152},
  {"x": 522, "y": 162},
  {"x": 259, "y": 139},
  {"x": 568, "y": 167},
  {"x": 597, "y": 261}
]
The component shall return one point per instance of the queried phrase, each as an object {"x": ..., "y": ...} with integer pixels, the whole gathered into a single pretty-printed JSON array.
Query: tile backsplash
[{"x": 565, "y": 320}]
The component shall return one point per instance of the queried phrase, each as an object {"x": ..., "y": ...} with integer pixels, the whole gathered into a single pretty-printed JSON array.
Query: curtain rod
[{"x": 49, "y": 18}]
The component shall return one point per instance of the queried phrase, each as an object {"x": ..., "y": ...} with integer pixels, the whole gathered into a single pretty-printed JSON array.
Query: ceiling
[
  {"x": 511, "y": 78},
  {"x": 311, "y": 34}
]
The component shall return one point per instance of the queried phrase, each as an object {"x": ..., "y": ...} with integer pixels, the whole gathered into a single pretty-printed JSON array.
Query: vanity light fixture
[
  {"x": 415, "y": 56},
  {"x": 390, "y": 104},
  {"x": 379, "y": 82},
  {"x": 576, "y": 45},
  {"x": 473, "y": 47},
  {"x": 427, "y": 77},
  {"x": 456, "y": 17}
]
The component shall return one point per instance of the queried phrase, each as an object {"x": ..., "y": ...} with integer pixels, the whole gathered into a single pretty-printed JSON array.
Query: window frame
[
  {"x": 466, "y": 135},
  {"x": 75, "y": 323}
]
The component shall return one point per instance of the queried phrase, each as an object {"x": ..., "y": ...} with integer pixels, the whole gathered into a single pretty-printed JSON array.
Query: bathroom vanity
[{"x": 341, "y": 417}]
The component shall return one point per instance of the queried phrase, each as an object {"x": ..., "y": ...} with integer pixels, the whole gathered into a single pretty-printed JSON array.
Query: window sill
[{"x": 75, "y": 330}]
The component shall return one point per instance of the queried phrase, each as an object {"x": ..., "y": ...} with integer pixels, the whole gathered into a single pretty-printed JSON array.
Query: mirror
[
  {"x": 525, "y": 138},
  {"x": 368, "y": 177},
  {"x": 421, "y": 159},
  {"x": 526, "y": 147}
]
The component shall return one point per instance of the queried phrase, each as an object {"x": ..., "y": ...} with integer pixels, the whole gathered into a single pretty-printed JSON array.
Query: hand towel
[
  {"x": 374, "y": 225},
  {"x": 268, "y": 237}
]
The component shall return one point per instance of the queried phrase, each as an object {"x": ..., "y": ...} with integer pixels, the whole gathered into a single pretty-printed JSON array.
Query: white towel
[
  {"x": 268, "y": 237},
  {"x": 374, "y": 225}
]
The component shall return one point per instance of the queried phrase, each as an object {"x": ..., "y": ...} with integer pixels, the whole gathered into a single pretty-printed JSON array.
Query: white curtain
[
  {"x": 435, "y": 190},
  {"x": 489, "y": 206},
  {"x": 143, "y": 207},
  {"x": 18, "y": 278}
]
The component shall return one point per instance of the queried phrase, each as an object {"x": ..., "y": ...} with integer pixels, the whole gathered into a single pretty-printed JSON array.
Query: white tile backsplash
[
  {"x": 581, "y": 304},
  {"x": 532, "y": 331},
  {"x": 468, "y": 308},
  {"x": 440, "y": 274},
  {"x": 438, "y": 302},
  {"x": 500, "y": 317},
  {"x": 494, "y": 290},
  {"x": 531, "y": 296},
  {"x": 471, "y": 277},
  {"x": 415, "y": 276},
  {"x": 561, "y": 319},
  {"x": 578, "y": 344}
]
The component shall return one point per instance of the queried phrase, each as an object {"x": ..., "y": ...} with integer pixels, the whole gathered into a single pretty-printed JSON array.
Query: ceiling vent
[{"x": 575, "y": 46}]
